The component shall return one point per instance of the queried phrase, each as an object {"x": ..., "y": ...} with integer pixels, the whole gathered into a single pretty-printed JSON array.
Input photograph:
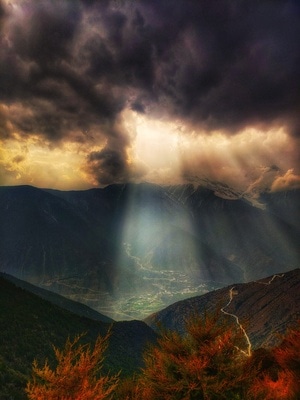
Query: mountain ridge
[
  {"x": 264, "y": 308},
  {"x": 75, "y": 307}
]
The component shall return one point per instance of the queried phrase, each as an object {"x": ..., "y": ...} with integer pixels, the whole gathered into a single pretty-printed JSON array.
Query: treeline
[{"x": 209, "y": 363}]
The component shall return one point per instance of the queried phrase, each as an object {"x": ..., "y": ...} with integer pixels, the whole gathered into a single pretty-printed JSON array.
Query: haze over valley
[{"x": 130, "y": 250}]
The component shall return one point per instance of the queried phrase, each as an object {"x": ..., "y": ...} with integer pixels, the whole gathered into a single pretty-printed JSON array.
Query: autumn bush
[
  {"x": 204, "y": 364},
  {"x": 211, "y": 363},
  {"x": 77, "y": 375},
  {"x": 281, "y": 381},
  {"x": 208, "y": 363}
]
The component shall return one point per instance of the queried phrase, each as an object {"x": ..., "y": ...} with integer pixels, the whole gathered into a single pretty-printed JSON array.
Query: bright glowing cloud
[
  {"x": 287, "y": 181},
  {"x": 34, "y": 163},
  {"x": 157, "y": 147},
  {"x": 158, "y": 151},
  {"x": 249, "y": 161}
]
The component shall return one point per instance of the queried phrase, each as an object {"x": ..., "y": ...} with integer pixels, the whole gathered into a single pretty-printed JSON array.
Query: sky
[{"x": 94, "y": 93}]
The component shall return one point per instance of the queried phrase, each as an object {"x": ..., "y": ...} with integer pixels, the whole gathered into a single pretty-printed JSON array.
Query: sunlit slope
[{"x": 263, "y": 308}]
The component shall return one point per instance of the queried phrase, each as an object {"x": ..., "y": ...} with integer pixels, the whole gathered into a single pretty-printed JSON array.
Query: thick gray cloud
[
  {"x": 107, "y": 166},
  {"x": 69, "y": 66}
]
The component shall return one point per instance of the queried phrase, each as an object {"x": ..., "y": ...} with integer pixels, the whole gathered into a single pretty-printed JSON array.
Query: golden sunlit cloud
[
  {"x": 249, "y": 160},
  {"x": 157, "y": 151},
  {"x": 157, "y": 147},
  {"x": 28, "y": 161},
  {"x": 288, "y": 181}
]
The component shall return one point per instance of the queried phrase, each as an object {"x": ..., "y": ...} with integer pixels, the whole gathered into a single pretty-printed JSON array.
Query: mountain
[
  {"x": 73, "y": 306},
  {"x": 30, "y": 326},
  {"x": 44, "y": 236},
  {"x": 128, "y": 250},
  {"x": 258, "y": 240},
  {"x": 285, "y": 205},
  {"x": 263, "y": 308}
]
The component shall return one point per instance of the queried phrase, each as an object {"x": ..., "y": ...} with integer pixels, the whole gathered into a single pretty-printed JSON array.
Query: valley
[
  {"x": 128, "y": 250},
  {"x": 157, "y": 290},
  {"x": 167, "y": 287}
]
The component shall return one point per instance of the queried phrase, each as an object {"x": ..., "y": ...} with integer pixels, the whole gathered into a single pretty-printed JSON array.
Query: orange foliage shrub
[
  {"x": 265, "y": 388},
  {"x": 128, "y": 389},
  {"x": 283, "y": 382},
  {"x": 288, "y": 353},
  {"x": 209, "y": 363},
  {"x": 206, "y": 364},
  {"x": 76, "y": 376}
]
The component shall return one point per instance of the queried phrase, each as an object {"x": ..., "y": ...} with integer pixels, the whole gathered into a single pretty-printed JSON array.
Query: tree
[
  {"x": 281, "y": 381},
  {"x": 209, "y": 363},
  {"x": 205, "y": 364},
  {"x": 77, "y": 375}
]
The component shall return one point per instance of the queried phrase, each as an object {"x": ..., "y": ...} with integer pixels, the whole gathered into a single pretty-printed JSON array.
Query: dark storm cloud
[
  {"x": 107, "y": 166},
  {"x": 72, "y": 66},
  {"x": 2, "y": 13},
  {"x": 231, "y": 63},
  {"x": 37, "y": 35},
  {"x": 49, "y": 36}
]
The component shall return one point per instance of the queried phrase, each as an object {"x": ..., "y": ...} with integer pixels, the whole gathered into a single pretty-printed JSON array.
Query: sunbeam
[{"x": 158, "y": 250}]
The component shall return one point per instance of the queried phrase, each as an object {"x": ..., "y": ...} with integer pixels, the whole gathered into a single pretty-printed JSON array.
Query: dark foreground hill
[
  {"x": 264, "y": 308},
  {"x": 74, "y": 306},
  {"x": 30, "y": 325}
]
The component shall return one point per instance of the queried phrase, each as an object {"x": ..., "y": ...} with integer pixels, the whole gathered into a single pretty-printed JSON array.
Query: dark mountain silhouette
[
  {"x": 73, "y": 306},
  {"x": 30, "y": 325},
  {"x": 264, "y": 308},
  {"x": 44, "y": 236},
  {"x": 110, "y": 247}
]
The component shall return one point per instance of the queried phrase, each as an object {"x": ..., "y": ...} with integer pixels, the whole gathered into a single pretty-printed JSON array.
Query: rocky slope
[{"x": 263, "y": 308}]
